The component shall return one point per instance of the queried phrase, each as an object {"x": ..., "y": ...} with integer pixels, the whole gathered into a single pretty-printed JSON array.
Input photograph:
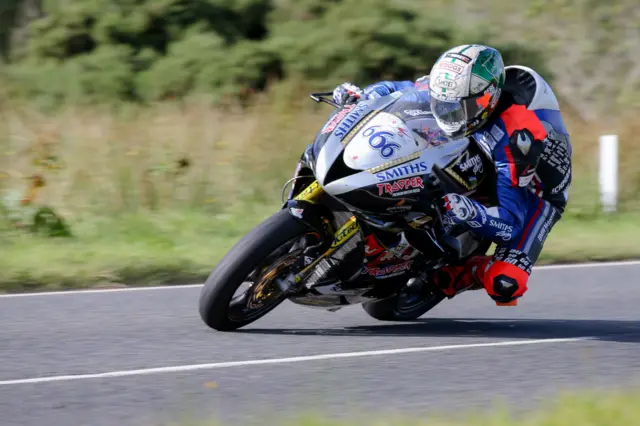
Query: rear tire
[
  {"x": 248, "y": 254},
  {"x": 393, "y": 308}
]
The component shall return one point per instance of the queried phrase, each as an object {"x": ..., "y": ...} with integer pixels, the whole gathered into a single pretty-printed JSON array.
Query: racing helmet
[{"x": 465, "y": 86}]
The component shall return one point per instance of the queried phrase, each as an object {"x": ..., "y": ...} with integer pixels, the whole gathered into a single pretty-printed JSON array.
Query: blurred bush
[
  {"x": 149, "y": 50},
  {"x": 22, "y": 208}
]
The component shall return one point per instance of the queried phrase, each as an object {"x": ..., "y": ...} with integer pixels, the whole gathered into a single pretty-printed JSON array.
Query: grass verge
[
  {"x": 183, "y": 247},
  {"x": 568, "y": 409},
  {"x": 179, "y": 247}
]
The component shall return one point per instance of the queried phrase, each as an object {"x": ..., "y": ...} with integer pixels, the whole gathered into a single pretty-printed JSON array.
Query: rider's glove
[
  {"x": 460, "y": 209},
  {"x": 347, "y": 92}
]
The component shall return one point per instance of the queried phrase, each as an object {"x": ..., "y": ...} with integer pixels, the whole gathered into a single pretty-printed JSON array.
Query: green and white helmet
[{"x": 465, "y": 85}]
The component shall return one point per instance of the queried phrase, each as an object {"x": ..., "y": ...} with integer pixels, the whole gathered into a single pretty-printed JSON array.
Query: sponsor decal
[
  {"x": 497, "y": 133},
  {"x": 506, "y": 236},
  {"x": 416, "y": 112},
  {"x": 557, "y": 156},
  {"x": 399, "y": 209},
  {"x": 433, "y": 137},
  {"x": 501, "y": 226},
  {"x": 309, "y": 192},
  {"x": 485, "y": 141},
  {"x": 525, "y": 180},
  {"x": 372, "y": 247},
  {"x": 445, "y": 82},
  {"x": 449, "y": 96},
  {"x": 474, "y": 224},
  {"x": 505, "y": 231},
  {"x": 401, "y": 171},
  {"x": 468, "y": 170},
  {"x": 478, "y": 84},
  {"x": 346, "y": 232},
  {"x": 350, "y": 120},
  {"x": 388, "y": 271},
  {"x": 459, "y": 56},
  {"x": 483, "y": 216},
  {"x": 401, "y": 187},
  {"x": 562, "y": 184},
  {"x": 546, "y": 226},
  {"x": 402, "y": 250},
  {"x": 514, "y": 257},
  {"x": 474, "y": 163},
  {"x": 450, "y": 66},
  {"x": 331, "y": 126},
  {"x": 296, "y": 212}
]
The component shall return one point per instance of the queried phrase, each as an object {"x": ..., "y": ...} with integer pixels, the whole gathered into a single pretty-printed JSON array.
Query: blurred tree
[
  {"x": 8, "y": 13},
  {"x": 155, "y": 49},
  {"x": 79, "y": 26},
  {"x": 368, "y": 40},
  {"x": 15, "y": 15}
]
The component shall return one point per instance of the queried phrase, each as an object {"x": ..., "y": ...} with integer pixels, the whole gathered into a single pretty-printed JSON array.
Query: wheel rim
[{"x": 263, "y": 293}]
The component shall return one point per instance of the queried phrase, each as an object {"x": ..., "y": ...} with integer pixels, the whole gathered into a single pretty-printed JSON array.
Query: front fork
[{"x": 304, "y": 207}]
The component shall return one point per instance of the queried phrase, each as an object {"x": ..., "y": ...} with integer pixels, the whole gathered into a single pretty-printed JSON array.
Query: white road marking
[
  {"x": 189, "y": 286},
  {"x": 589, "y": 265},
  {"x": 98, "y": 291},
  {"x": 220, "y": 365}
]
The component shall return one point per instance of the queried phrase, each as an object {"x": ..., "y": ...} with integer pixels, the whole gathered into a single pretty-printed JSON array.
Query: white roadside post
[{"x": 609, "y": 172}]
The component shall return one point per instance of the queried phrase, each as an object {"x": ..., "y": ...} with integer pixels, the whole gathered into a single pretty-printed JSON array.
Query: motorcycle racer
[{"x": 512, "y": 114}]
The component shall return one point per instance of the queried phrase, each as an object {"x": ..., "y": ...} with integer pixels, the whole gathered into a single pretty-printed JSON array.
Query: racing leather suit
[{"x": 527, "y": 140}]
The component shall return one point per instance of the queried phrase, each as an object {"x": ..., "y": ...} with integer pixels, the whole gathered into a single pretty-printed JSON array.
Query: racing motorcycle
[{"x": 362, "y": 222}]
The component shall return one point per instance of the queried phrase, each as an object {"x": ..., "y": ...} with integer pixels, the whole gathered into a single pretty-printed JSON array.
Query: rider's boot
[{"x": 453, "y": 280}]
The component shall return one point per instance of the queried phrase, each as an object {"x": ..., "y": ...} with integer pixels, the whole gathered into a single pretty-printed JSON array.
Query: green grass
[
  {"x": 183, "y": 247},
  {"x": 596, "y": 238},
  {"x": 180, "y": 247},
  {"x": 569, "y": 409}
]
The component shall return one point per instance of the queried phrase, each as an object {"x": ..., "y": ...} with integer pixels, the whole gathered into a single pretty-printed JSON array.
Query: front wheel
[
  {"x": 404, "y": 306},
  {"x": 259, "y": 259}
]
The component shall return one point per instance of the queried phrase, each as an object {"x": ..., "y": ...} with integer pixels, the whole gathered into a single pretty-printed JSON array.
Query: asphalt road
[{"x": 163, "y": 365}]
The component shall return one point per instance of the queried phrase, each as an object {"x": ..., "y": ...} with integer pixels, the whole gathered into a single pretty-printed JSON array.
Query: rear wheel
[
  {"x": 404, "y": 306},
  {"x": 261, "y": 257}
]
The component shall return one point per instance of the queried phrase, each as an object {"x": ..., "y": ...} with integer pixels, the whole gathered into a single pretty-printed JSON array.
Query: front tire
[{"x": 251, "y": 254}]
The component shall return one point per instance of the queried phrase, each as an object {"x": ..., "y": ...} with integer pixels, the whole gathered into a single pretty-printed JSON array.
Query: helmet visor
[{"x": 454, "y": 115}]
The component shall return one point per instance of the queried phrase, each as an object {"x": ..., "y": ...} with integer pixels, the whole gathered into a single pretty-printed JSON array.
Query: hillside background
[{"x": 161, "y": 130}]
